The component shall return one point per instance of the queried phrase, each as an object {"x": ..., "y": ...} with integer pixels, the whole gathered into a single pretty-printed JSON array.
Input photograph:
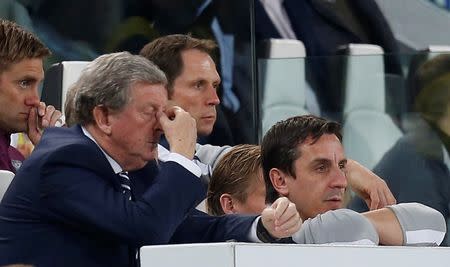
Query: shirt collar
[{"x": 114, "y": 165}]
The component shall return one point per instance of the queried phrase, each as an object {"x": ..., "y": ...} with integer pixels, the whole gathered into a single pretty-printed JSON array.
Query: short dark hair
[
  {"x": 17, "y": 44},
  {"x": 433, "y": 81},
  {"x": 279, "y": 147},
  {"x": 236, "y": 171},
  {"x": 166, "y": 51}
]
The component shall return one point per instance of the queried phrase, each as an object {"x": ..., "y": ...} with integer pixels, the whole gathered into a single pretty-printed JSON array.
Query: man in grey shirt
[{"x": 303, "y": 159}]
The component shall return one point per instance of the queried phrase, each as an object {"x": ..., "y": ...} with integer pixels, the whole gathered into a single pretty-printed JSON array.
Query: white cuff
[
  {"x": 165, "y": 155},
  {"x": 252, "y": 235}
]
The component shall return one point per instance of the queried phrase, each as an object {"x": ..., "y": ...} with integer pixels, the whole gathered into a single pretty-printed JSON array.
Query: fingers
[
  {"x": 374, "y": 200},
  {"x": 41, "y": 109},
  {"x": 50, "y": 116},
  {"x": 290, "y": 220},
  {"x": 289, "y": 223},
  {"x": 280, "y": 206},
  {"x": 390, "y": 198},
  {"x": 180, "y": 131},
  {"x": 46, "y": 115},
  {"x": 55, "y": 118},
  {"x": 172, "y": 112},
  {"x": 387, "y": 194},
  {"x": 383, "y": 200},
  {"x": 380, "y": 197},
  {"x": 284, "y": 211},
  {"x": 297, "y": 224},
  {"x": 281, "y": 218}
]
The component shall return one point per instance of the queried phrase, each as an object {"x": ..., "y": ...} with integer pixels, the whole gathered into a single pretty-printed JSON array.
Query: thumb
[{"x": 268, "y": 215}]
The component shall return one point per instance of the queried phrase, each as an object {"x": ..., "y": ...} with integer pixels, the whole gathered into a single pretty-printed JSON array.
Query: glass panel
[
  {"x": 83, "y": 29},
  {"x": 396, "y": 124}
]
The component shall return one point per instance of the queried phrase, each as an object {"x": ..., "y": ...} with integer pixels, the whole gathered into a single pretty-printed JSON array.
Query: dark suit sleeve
[
  {"x": 199, "y": 227},
  {"x": 84, "y": 199}
]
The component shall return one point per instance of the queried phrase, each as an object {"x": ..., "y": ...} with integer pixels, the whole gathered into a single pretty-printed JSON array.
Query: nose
[
  {"x": 213, "y": 99},
  {"x": 157, "y": 127},
  {"x": 338, "y": 179},
  {"x": 32, "y": 97}
]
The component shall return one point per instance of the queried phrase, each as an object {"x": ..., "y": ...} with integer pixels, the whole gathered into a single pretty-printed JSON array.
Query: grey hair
[{"x": 107, "y": 81}]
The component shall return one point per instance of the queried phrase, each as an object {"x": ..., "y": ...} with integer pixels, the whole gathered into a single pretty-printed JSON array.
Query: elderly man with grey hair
[{"x": 92, "y": 194}]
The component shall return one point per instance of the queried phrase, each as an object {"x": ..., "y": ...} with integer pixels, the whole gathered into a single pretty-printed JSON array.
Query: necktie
[{"x": 125, "y": 183}]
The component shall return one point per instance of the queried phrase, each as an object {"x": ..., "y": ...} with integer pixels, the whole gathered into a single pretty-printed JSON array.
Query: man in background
[
  {"x": 21, "y": 72},
  {"x": 193, "y": 82},
  {"x": 417, "y": 167}
]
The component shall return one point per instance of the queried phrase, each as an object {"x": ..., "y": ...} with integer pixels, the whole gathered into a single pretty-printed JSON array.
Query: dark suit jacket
[
  {"x": 323, "y": 32},
  {"x": 65, "y": 208},
  {"x": 415, "y": 172}
]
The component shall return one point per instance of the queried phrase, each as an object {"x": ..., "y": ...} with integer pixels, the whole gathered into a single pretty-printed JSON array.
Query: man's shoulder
[
  {"x": 209, "y": 154},
  {"x": 60, "y": 137},
  {"x": 68, "y": 145}
]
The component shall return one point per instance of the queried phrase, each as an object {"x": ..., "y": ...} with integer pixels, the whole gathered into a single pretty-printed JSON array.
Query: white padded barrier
[
  {"x": 368, "y": 131},
  {"x": 282, "y": 81},
  {"x": 5, "y": 179},
  {"x": 270, "y": 255}
]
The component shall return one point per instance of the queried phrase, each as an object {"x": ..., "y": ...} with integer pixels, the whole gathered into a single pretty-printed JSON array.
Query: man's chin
[
  {"x": 204, "y": 132},
  {"x": 334, "y": 205}
]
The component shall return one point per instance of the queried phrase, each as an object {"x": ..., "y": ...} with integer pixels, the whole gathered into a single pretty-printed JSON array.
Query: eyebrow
[
  {"x": 198, "y": 79},
  {"x": 326, "y": 160},
  {"x": 320, "y": 160},
  {"x": 28, "y": 78}
]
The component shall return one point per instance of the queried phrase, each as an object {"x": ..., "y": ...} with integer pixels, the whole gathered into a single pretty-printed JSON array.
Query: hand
[
  {"x": 180, "y": 130},
  {"x": 40, "y": 118},
  {"x": 369, "y": 186},
  {"x": 281, "y": 219}
]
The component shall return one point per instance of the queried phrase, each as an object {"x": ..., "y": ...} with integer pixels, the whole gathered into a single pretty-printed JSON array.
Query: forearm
[
  {"x": 387, "y": 226},
  {"x": 408, "y": 224}
]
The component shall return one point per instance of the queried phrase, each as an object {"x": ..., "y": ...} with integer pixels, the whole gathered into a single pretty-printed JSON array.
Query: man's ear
[
  {"x": 278, "y": 179},
  {"x": 102, "y": 119},
  {"x": 226, "y": 201}
]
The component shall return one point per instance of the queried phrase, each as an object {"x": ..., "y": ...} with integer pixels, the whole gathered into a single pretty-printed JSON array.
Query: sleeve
[
  {"x": 199, "y": 227},
  {"x": 341, "y": 226},
  {"x": 412, "y": 177},
  {"x": 421, "y": 225},
  {"x": 87, "y": 200},
  {"x": 165, "y": 155},
  {"x": 209, "y": 154}
]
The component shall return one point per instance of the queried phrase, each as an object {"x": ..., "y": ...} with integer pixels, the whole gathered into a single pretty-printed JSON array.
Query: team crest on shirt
[{"x": 16, "y": 164}]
